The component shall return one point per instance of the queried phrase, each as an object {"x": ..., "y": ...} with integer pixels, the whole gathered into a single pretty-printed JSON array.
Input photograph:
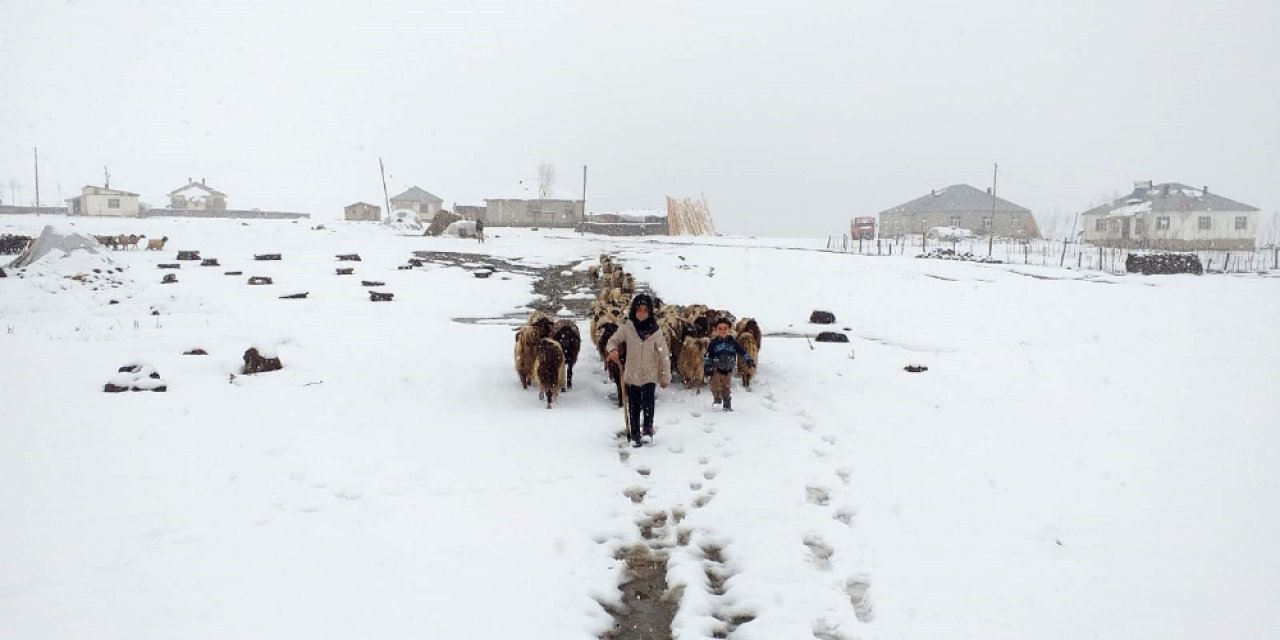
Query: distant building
[
  {"x": 196, "y": 196},
  {"x": 504, "y": 212},
  {"x": 362, "y": 211},
  {"x": 418, "y": 201},
  {"x": 469, "y": 211},
  {"x": 101, "y": 201},
  {"x": 1172, "y": 216},
  {"x": 963, "y": 207}
]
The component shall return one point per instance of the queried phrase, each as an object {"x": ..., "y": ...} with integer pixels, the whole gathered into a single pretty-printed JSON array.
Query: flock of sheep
[
  {"x": 546, "y": 350},
  {"x": 130, "y": 241}
]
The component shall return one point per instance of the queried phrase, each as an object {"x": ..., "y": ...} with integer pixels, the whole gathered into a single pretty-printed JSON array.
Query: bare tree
[{"x": 546, "y": 180}]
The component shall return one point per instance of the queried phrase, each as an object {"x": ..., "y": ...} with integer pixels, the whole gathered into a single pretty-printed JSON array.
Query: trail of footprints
[
  {"x": 655, "y": 528},
  {"x": 820, "y": 552}
]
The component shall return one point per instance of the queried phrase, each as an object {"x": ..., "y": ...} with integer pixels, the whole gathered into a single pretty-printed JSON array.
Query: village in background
[{"x": 954, "y": 222}]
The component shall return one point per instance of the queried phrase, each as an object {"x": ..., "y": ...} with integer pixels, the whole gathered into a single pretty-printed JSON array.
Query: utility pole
[
  {"x": 582, "y": 228},
  {"x": 991, "y": 237},
  {"x": 386, "y": 199},
  {"x": 36, "y": 154},
  {"x": 106, "y": 178}
]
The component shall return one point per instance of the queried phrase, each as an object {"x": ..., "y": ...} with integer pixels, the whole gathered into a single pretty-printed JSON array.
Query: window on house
[
  {"x": 1162, "y": 223},
  {"x": 1206, "y": 223},
  {"x": 955, "y": 221},
  {"x": 986, "y": 222},
  {"x": 113, "y": 203},
  {"x": 1139, "y": 226},
  {"x": 1100, "y": 225},
  {"x": 1242, "y": 223}
]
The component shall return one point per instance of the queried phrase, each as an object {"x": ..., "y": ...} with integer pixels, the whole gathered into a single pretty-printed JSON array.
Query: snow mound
[
  {"x": 406, "y": 221},
  {"x": 59, "y": 242},
  {"x": 461, "y": 229}
]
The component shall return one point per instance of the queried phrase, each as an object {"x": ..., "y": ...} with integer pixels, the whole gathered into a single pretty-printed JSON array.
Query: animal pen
[{"x": 1053, "y": 253}]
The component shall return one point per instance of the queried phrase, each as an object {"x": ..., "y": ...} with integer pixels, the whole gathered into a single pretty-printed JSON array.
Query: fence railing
[{"x": 1073, "y": 255}]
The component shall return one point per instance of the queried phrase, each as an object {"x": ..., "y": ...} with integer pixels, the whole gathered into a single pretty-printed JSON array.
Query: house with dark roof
[
  {"x": 1172, "y": 216},
  {"x": 419, "y": 201},
  {"x": 197, "y": 196},
  {"x": 959, "y": 206},
  {"x": 362, "y": 211}
]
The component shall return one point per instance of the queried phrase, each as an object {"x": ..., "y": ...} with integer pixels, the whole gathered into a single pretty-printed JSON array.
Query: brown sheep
[
  {"x": 605, "y": 330},
  {"x": 593, "y": 272},
  {"x": 526, "y": 353},
  {"x": 749, "y": 325},
  {"x": 549, "y": 370},
  {"x": 690, "y": 362},
  {"x": 570, "y": 338},
  {"x": 542, "y": 322},
  {"x": 749, "y": 344},
  {"x": 157, "y": 245}
]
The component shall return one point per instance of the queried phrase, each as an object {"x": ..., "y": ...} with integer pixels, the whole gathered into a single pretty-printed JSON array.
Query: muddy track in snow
[{"x": 551, "y": 285}]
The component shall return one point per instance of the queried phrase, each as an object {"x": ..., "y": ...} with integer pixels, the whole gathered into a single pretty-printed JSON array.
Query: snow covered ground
[{"x": 1086, "y": 456}]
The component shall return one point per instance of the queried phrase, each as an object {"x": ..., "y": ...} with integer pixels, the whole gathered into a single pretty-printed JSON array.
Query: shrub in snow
[
  {"x": 441, "y": 221},
  {"x": 822, "y": 317},
  {"x": 136, "y": 377},
  {"x": 256, "y": 362}
]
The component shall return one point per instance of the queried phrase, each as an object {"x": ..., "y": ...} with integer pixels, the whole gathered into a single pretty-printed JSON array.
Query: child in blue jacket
[{"x": 722, "y": 356}]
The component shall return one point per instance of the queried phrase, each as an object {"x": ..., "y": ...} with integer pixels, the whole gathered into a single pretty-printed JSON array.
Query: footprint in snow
[
  {"x": 818, "y": 495},
  {"x": 636, "y": 493},
  {"x": 820, "y": 550}
]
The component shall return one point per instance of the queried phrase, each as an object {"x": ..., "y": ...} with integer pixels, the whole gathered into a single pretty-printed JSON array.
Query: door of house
[{"x": 1124, "y": 230}]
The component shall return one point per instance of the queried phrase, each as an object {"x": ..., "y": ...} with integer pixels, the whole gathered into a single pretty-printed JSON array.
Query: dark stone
[
  {"x": 371, "y": 283},
  {"x": 233, "y": 273},
  {"x": 188, "y": 255},
  {"x": 482, "y": 274},
  {"x": 349, "y": 256},
  {"x": 259, "y": 280},
  {"x": 254, "y": 362},
  {"x": 129, "y": 368},
  {"x": 169, "y": 278},
  {"x": 113, "y": 302},
  {"x": 210, "y": 262},
  {"x": 155, "y": 312},
  {"x": 111, "y": 388},
  {"x": 915, "y": 368},
  {"x": 266, "y": 256},
  {"x": 295, "y": 296},
  {"x": 415, "y": 262},
  {"x": 822, "y": 317},
  {"x": 3, "y": 274},
  {"x": 404, "y": 267},
  {"x": 345, "y": 271},
  {"x": 169, "y": 265},
  {"x": 195, "y": 352},
  {"x": 831, "y": 336},
  {"x": 375, "y": 296}
]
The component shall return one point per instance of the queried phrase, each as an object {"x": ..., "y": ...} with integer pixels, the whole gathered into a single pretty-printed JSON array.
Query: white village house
[
  {"x": 419, "y": 201},
  {"x": 103, "y": 201},
  {"x": 960, "y": 206},
  {"x": 1172, "y": 216},
  {"x": 197, "y": 196}
]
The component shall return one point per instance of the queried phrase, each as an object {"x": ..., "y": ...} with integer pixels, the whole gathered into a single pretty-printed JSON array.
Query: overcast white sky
[{"x": 789, "y": 117}]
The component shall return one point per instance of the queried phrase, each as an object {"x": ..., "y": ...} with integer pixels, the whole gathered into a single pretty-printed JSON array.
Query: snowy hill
[{"x": 1086, "y": 456}]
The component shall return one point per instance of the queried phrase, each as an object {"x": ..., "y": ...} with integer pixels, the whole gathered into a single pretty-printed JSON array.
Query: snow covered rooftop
[
  {"x": 1169, "y": 196},
  {"x": 957, "y": 198}
]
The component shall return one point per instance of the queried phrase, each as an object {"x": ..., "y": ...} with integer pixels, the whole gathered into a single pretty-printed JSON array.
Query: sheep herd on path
[{"x": 546, "y": 350}]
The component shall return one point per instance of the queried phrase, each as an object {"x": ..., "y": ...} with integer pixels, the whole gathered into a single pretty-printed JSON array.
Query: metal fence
[{"x": 1073, "y": 255}]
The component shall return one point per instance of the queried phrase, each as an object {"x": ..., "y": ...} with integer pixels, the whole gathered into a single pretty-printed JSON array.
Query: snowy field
[{"x": 1087, "y": 456}]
